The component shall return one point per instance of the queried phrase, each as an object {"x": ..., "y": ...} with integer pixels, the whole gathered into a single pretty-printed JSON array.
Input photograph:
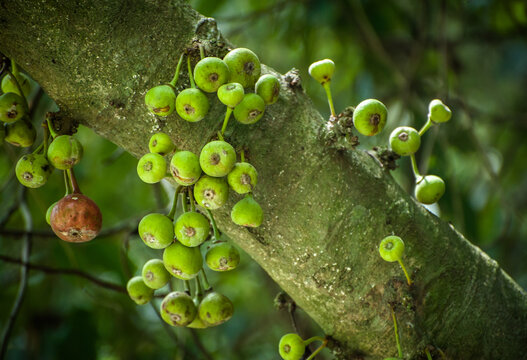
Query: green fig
[
  {"x": 231, "y": 94},
  {"x": 192, "y": 105},
  {"x": 33, "y": 170},
  {"x": 12, "y": 107},
  {"x": 161, "y": 144},
  {"x": 20, "y": 133},
  {"x": 211, "y": 192},
  {"x": 439, "y": 112},
  {"x": 268, "y": 87},
  {"x": 369, "y": 117},
  {"x": 181, "y": 261},
  {"x": 64, "y": 152},
  {"x": 217, "y": 158},
  {"x": 244, "y": 66},
  {"x": 322, "y": 70},
  {"x": 156, "y": 231},
  {"x": 215, "y": 309},
  {"x": 138, "y": 291},
  {"x": 250, "y": 110},
  {"x": 9, "y": 86},
  {"x": 210, "y": 73},
  {"x": 405, "y": 140},
  {"x": 247, "y": 212},
  {"x": 161, "y": 100},
  {"x": 152, "y": 168},
  {"x": 154, "y": 273},
  {"x": 178, "y": 309},
  {"x": 185, "y": 168},
  {"x": 429, "y": 189},
  {"x": 291, "y": 347},
  {"x": 192, "y": 228},
  {"x": 222, "y": 257},
  {"x": 242, "y": 178}
]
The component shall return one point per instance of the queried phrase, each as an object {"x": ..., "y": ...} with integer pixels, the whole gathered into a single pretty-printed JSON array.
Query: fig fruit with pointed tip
[
  {"x": 322, "y": 70},
  {"x": 243, "y": 178},
  {"x": 161, "y": 144},
  {"x": 76, "y": 218},
  {"x": 64, "y": 152},
  {"x": 161, "y": 100},
  {"x": 185, "y": 168},
  {"x": 247, "y": 212},
  {"x": 154, "y": 273},
  {"x": 33, "y": 170},
  {"x": 244, "y": 66},
  {"x": 181, "y": 261},
  {"x": 291, "y": 347},
  {"x": 156, "y": 231},
  {"x": 192, "y": 228},
  {"x": 268, "y": 87},
  {"x": 178, "y": 309},
  {"x": 12, "y": 107},
  {"x": 439, "y": 112},
  {"x": 210, "y": 73},
  {"x": 9, "y": 86},
  {"x": 20, "y": 133},
  {"x": 138, "y": 291},
  {"x": 215, "y": 309},
  {"x": 250, "y": 109},
  {"x": 217, "y": 158},
  {"x": 222, "y": 257},
  {"x": 192, "y": 105},
  {"x": 369, "y": 117},
  {"x": 152, "y": 168},
  {"x": 429, "y": 189},
  {"x": 211, "y": 192}
]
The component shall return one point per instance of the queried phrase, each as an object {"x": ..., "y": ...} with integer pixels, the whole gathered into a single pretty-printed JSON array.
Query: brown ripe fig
[{"x": 76, "y": 218}]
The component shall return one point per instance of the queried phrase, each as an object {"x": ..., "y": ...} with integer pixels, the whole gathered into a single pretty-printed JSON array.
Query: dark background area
[{"x": 470, "y": 54}]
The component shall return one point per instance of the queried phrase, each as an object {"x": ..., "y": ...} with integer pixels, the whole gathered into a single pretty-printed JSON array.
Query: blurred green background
[{"x": 470, "y": 54}]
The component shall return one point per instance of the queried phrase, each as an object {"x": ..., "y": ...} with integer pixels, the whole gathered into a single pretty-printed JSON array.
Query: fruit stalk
[
  {"x": 192, "y": 83},
  {"x": 415, "y": 169},
  {"x": 214, "y": 226},
  {"x": 326, "y": 86},
  {"x": 226, "y": 120},
  {"x": 399, "y": 351},
  {"x": 319, "y": 349},
  {"x": 405, "y": 272},
  {"x": 178, "y": 68},
  {"x": 426, "y": 126}
]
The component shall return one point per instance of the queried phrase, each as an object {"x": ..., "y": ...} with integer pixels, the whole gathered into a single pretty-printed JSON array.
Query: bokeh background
[{"x": 471, "y": 54}]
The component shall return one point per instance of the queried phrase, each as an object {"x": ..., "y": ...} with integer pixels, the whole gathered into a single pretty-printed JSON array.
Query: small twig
[
  {"x": 63, "y": 271},
  {"x": 24, "y": 274},
  {"x": 291, "y": 311}
]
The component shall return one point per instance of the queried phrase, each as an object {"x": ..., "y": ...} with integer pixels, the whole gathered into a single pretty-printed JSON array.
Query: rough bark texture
[{"x": 325, "y": 210}]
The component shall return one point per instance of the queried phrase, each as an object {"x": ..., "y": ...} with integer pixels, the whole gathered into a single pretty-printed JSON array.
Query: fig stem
[
  {"x": 46, "y": 138},
  {"x": 192, "y": 83},
  {"x": 399, "y": 351},
  {"x": 242, "y": 156},
  {"x": 50, "y": 128},
  {"x": 185, "y": 204},
  {"x": 319, "y": 349},
  {"x": 214, "y": 226},
  {"x": 174, "y": 203},
  {"x": 18, "y": 87},
  {"x": 314, "y": 338},
  {"x": 405, "y": 272},
  {"x": 226, "y": 120},
  {"x": 415, "y": 169},
  {"x": 206, "y": 284},
  {"x": 199, "y": 288},
  {"x": 37, "y": 150},
  {"x": 178, "y": 68},
  {"x": 428, "y": 355},
  {"x": 191, "y": 199},
  {"x": 330, "y": 98},
  {"x": 75, "y": 186},
  {"x": 187, "y": 287},
  {"x": 220, "y": 136},
  {"x": 67, "y": 183},
  {"x": 201, "y": 51},
  {"x": 426, "y": 126},
  {"x": 14, "y": 68}
]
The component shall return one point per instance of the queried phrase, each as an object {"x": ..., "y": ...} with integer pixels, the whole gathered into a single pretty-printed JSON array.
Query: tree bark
[{"x": 325, "y": 210}]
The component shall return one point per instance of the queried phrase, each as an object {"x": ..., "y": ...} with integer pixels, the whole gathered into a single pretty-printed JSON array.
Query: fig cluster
[{"x": 75, "y": 217}]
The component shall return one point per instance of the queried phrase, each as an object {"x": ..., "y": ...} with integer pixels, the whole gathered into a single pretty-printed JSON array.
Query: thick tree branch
[{"x": 325, "y": 210}]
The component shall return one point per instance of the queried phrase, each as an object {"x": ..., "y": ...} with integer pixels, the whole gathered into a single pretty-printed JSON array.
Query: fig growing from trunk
[{"x": 76, "y": 218}]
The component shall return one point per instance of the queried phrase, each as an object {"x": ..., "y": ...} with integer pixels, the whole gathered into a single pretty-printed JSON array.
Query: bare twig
[{"x": 24, "y": 274}]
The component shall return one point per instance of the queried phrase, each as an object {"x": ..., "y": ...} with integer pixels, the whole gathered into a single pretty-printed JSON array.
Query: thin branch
[
  {"x": 63, "y": 271},
  {"x": 24, "y": 274}
]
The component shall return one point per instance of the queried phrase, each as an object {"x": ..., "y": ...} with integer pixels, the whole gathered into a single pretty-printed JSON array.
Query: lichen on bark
[{"x": 326, "y": 210}]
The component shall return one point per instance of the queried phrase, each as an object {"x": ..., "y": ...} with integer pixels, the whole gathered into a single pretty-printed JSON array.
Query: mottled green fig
[
  {"x": 154, "y": 273},
  {"x": 64, "y": 152},
  {"x": 152, "y": 168},
  {"x": 250, "y": 110},
  {"x": 161, "y": 100},
  {"x": 178, "y": 309},
  {"x": 244, "y": 66},
  {"x": 211, "y": 192},
  {"x": 322, "y": 70},
  {"x": 20, "y": 133},
  {"x": 138, "y": 291},
  {"x": 192, "y": 105},
  {"x": 242, "y": 178},
  {"x": 291, "y": 347},
  {"x": 222, "y": 257},
  {"x": 192, "y": 228},
  {"x": 197, "y": 323},
  {"x": 210, "y": 73},
  {"x": 268, "y": 87},
  {"x": 161, "y": 144},
  {"x": 33, "y": 170},
  {"x": 12, "y": 107},
  {"x": 185, "y": 168},
  {"x": 405, "y": 140},
  {"x": 429, "y": 189},
  {"x": 9, "y": 86},
  {"x": 215, "y": 309},
  {"x": 391, "y": 248},
  {"x": 439, "y": 112},
  {"x": 217, "y": 158},
  {"x": 181, "y": 261},
  {"x": 247, "y": 212},
  {"x": 156, "y": 231},
  {"x": 369, "y": 117},
  {"x": 231, "y": 94}
]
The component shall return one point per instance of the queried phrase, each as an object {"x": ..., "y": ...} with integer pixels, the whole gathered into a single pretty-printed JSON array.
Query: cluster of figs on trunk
[
  {"x": 203, "y": 185},
  {"x": 75, "y": 217}
]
